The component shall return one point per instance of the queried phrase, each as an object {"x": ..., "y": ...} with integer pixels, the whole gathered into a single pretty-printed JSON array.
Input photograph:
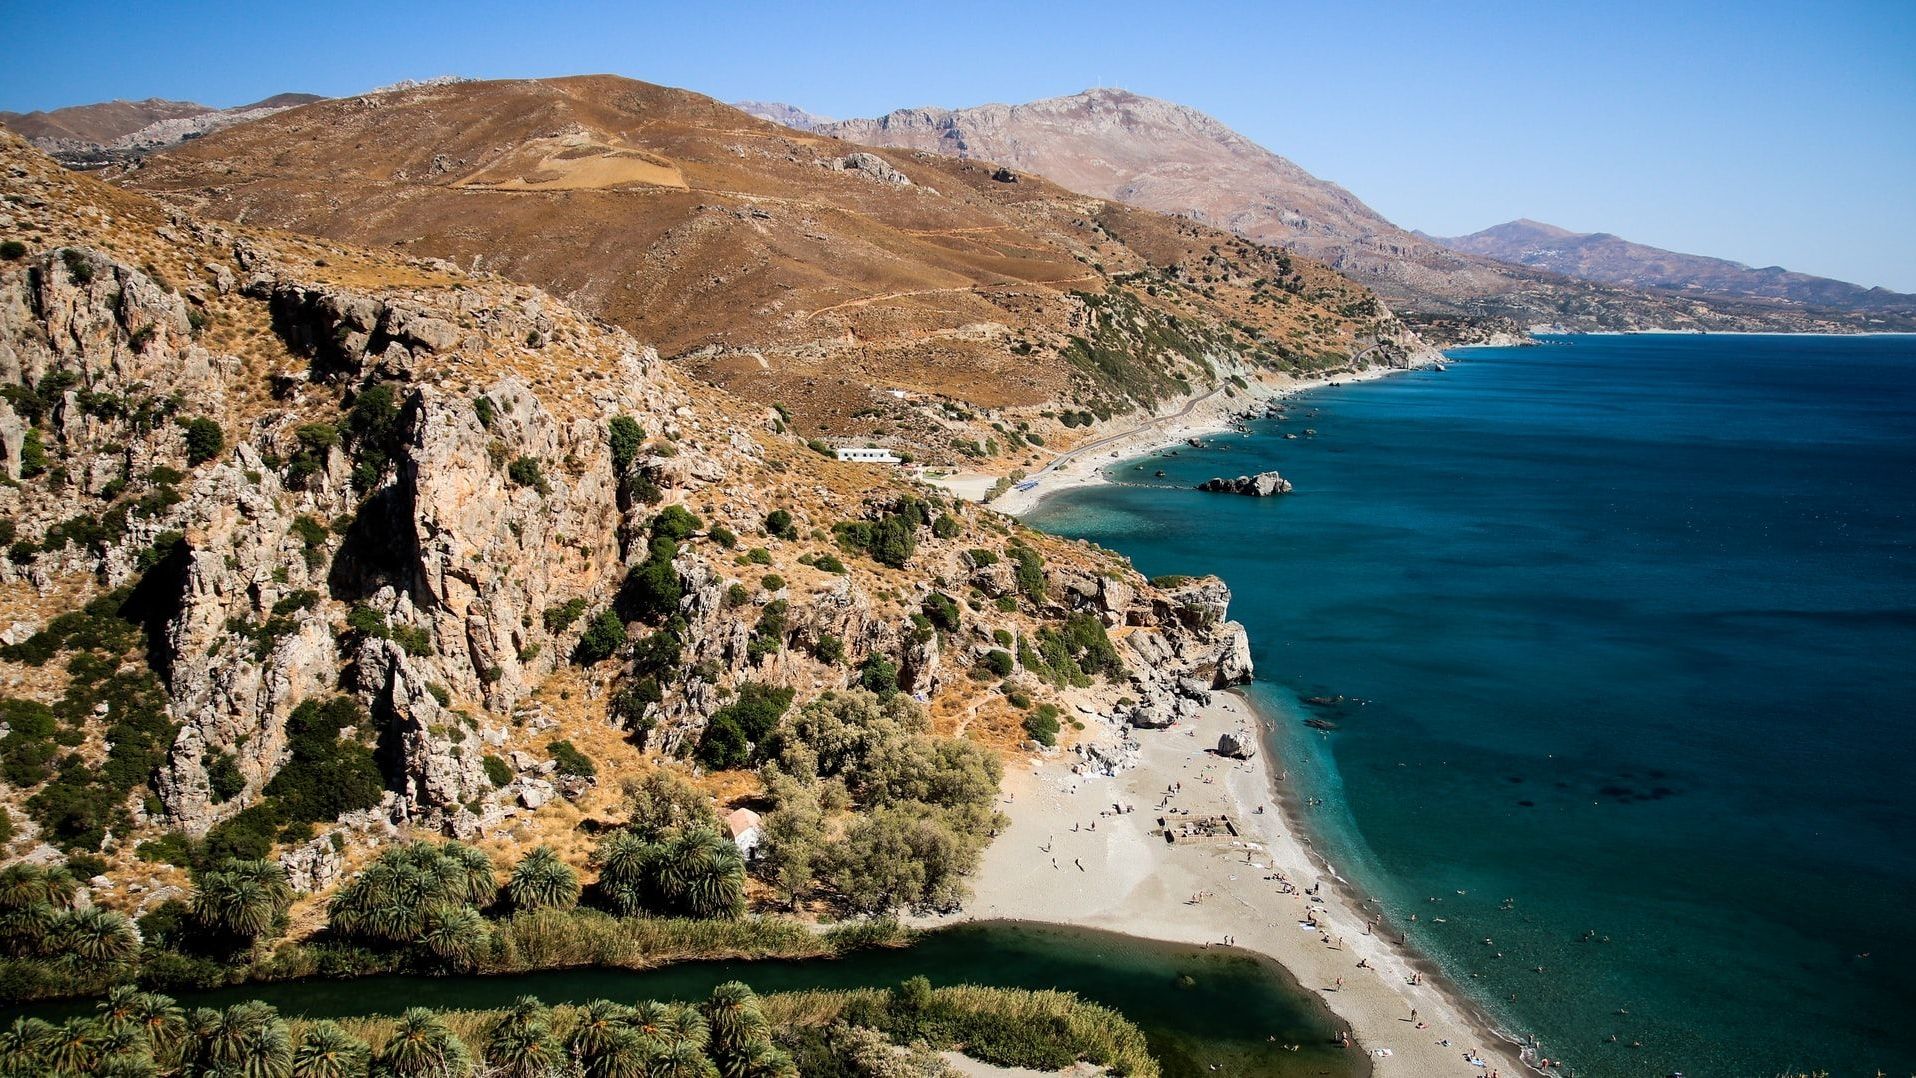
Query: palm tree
[
  {"x": 685, "y": 1027},
  {"x": 624, "y": 1053},
  {"x": 700, "y": 873},
  {"x": 682, "y": 1061},
  {"x": 242, "y": 899},
  {"x": 327, "y": 1051},
  {"x": 422, "y": 1047},
  {"x": 735, "y": 1020},
  {"x": 249, "y": 1040},
  {"x": 160, "y": 1019},
  {"x": 473, "y": 876},
  {"x": 650, "y": 1017},
  {"x": 758, "y": 1059},
  {"x": 23, "y": 885},
  {"x": 456, "y": 934},
  {"x": 20, "y": 1045},
  {"x": 92, "y": 939},
  {"x": 624, "y": 861},
  {"x": 593, "y": 1026},
  {"x": 543, "y": 881},
  {"x": 72, "y": 1046},
  {"x": 31, "y": 900},
  {"x": 524, "y": 1049}
]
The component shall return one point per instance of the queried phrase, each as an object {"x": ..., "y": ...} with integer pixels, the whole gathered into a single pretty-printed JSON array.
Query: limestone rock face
[
  {"x": 873, "y": 166},
  {"x": 1261, "y": 485}
]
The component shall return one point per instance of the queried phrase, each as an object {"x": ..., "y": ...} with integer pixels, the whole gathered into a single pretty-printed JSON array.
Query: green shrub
[
  {"x": 829, "y": 649},
  {"x": 526, "y": 472},
  {"x": 772, "y": 582},
  {"x": 999, "y": 662},
  {"x": 560, "y": 616},
  {"x": 778, "y": 523},
  {"x": 204, "y": 440},
  {"x": 826, "y": 563},
  {"x": 1042, "y": 725},
  {"x": 942, "y": 609},
  {"x": 13, "y": 251},
  {"x": 224, "y": 778},
  {"x": 571, "y": 761},
  {"x": 625, "y": 436},
  {"x": 748, "y": 719},
  {"x": 1029, "y": 571},
  {"x": 33, "y": 455},
  {"x": 497, "y": 772},
  {"x": 723, "y": 536},
  {"x": 484, "y": 410},
  {"x": 879, "y": 675},
  {"x": 79, "y": 267},
  {"x": 677, "y": 523},
  {"x": 946, "y": 526},
  {"x": 604, "y": 635}
]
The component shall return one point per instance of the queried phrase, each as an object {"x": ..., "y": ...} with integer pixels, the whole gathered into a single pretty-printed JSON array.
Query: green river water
[{"x": 1204, "y": 1011}]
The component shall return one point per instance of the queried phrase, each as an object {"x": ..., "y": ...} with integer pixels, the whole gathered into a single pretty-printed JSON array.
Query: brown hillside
[
  {"x": 788, "y": 267},
  {"x": 1167, "y": 157}
]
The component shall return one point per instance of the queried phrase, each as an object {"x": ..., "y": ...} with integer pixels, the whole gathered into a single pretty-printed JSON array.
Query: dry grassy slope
[
  {"x": 730, "y": 241},
  {"x": 571, "y": 372}
]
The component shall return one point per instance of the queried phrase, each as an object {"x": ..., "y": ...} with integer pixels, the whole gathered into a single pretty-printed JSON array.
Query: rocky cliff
[{"x": 280, "y": 509}]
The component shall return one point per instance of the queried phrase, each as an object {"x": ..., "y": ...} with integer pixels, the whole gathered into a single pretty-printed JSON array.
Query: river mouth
[{"x": 1204, "y": 1011}]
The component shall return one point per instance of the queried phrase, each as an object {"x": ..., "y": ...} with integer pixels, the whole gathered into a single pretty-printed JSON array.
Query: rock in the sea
[
  {"x": 1238, "y": 746},
  {"x": 1261, "y": 485}
]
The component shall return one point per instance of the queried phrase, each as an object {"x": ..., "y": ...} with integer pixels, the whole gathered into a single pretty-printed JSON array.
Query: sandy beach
[
  {"x": 1070, "y": 857},
  {"x": 1082, "y": 464}
]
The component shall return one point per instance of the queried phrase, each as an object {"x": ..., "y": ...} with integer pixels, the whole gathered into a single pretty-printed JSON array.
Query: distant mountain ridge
[
  {"x": 780, "y": 113},
  {"x": 1112, "y": 143},
  {"x": 1601, "y": 256},
  {"x": 109, "y": 132}
]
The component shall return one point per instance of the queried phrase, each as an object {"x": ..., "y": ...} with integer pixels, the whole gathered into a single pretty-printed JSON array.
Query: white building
[
  {"x": 744, "y": 825},
  {"x": 866, "y": 455}
]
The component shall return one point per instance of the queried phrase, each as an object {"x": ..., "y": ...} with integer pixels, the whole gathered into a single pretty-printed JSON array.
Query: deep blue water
[{"x": 1636, "y": 621}]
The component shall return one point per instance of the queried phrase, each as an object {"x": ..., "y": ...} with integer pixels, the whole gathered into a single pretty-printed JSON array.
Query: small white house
[
  {"x": 744, "y": 825},
  {"x": 866, "y": 455}
]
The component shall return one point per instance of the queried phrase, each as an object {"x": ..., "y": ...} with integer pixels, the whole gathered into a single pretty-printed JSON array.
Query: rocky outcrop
[
  {"x": 1261, "y": 485},
  {"x": 872, "y": 166},
  {"x": 1238, "y": 745}
]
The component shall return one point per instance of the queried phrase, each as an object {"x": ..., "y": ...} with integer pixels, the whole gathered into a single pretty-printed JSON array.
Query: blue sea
[{"x": 1625, "y": 629}]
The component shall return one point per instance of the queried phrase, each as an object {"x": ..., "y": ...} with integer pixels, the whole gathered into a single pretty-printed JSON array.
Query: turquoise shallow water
[{"x": 1635, "y": 618}]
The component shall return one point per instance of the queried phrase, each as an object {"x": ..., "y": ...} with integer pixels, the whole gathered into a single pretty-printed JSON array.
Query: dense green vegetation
[
  {"x": 924, "y": 805},
  {"x": 85, "y": 785},
  {"x": 733, "y": 1033}
]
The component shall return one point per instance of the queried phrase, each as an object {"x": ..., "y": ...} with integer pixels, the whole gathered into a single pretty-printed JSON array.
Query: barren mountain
[
  {"x": 779, "y": 113},
  {"x": 312, "y": 547},
  {"x": 99, "y": 123},
  {"x": 94, "y": 136},
  {"x": 1600, "y": 256},
  {"x": 886, "y": 295},
  {"x": 1168, "y": 157}
]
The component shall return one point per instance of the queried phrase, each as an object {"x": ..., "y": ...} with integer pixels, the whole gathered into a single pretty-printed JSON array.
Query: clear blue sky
[{"x": 1772, "y": 133}]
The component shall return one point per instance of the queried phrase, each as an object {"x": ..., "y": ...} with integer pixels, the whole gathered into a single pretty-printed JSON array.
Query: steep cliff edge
[{"x": 308, "y": 547}]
